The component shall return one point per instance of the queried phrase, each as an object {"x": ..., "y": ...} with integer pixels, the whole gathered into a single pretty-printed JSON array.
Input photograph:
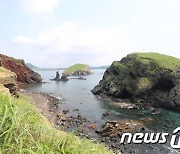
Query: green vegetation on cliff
[
  {"x": 24, "y": 130},
  {"x": 143, "y": 75},
  {"x": 77, "y": 67},
  {"x": 135, "y": 72},
  {"x": 163, "y": 61}
]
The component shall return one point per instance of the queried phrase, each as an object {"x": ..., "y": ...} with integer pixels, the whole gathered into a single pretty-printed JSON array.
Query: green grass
[
  {"x": 119, "y": 66},
  {"x": 77, "y": 67},
  {"x": 164, "y": 61},
  {"x": 24, "y": 130},
  {"x": 152, "y": 63},
  {"x": 144, "y": 84}
]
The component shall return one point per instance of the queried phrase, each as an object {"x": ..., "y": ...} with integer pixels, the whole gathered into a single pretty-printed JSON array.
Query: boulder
[
  {"x": 116, "y": 128},
  {"x": 64, "y": 78},
  {"x": 8, "y": 82}
]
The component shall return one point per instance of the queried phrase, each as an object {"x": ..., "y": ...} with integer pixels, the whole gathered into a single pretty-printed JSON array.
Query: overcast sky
[{"x": 59, "y": 33}]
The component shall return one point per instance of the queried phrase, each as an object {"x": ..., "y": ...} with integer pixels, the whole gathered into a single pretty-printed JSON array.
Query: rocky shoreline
[
  {"x": 49, "y": 107},
  {"x": 45, "y": 103},
  {"x": 109, "y": 133}
]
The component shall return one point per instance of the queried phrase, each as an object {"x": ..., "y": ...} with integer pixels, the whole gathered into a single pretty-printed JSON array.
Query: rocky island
[
  {"x": 78, "y": 70},
  {"x": 57, "y": 78},
  {"x": 146, "y": 79}
]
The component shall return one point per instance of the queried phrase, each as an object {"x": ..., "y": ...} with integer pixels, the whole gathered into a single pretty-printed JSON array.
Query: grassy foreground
[{"x": 24, "y": 130}]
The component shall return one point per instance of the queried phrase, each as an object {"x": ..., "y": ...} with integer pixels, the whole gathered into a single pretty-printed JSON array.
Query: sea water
[{"x": 76, "y": 94}]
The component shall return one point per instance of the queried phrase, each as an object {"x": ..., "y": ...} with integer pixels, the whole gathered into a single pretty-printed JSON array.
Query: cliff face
[
  {"x": 147, "y": 79},
  {"x": 24, "y": 74}
]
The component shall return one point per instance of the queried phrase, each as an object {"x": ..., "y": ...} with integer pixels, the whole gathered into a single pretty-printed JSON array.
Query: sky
[{"x": 59, "y": 33}]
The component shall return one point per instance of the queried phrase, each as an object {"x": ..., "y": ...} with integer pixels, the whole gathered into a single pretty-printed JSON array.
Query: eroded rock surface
[
  {"x": 146, "y": 79},
  {"x": 81, "y": 73},
  {"x": 57, "y": 78},
  {"x": 24, "y": 74},
  {"x": 8, "y": 82},
  {"x": 115, "y": 128},
  {"x": 64, "y": 78}
]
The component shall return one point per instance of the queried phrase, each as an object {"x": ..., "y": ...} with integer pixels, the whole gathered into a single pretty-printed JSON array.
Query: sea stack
[{"x": 63, "y": 77}]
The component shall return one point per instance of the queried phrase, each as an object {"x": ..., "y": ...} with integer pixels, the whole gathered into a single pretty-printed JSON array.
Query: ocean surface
[{"x": 76, "y": 94}]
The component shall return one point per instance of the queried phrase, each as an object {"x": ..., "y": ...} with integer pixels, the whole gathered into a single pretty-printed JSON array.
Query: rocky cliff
[
  {"x": 24, "y": 74},
  {"x": 147, "y": 79},
  {"x": 8, "y": 82}
]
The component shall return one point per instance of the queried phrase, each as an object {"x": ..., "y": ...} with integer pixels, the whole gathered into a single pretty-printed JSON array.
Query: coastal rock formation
[
  {"x": 78, "y": 70},
  {"x": 80, "y": 73},
  {"x": 8, "y": 82},
  {"x": 57, "y": 78},
  {"x": 115, "y": 128},
  {"x": 64, "y": 78},
  {"x": 146, "y": 79},
  {"x": 24, "y": 74}
]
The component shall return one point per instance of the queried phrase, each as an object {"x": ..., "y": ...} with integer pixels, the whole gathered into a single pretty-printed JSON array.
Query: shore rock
[
  {"x": 79, "y": 78},
  {"x": 57, "y": 78},
  {"x": 64, "y": 78},
  {"x": 24, "y": 74},
  {"x": 147, "y": 79},
  {"x": 114, "y": 128},
  {"x": 81, "y": 73}
]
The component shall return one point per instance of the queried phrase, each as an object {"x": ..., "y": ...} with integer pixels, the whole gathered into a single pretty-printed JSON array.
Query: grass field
[
  {"x": 164, "y": 61},
  {"x": 76, "y": 67},
  {"x": 24, "y": 130}
]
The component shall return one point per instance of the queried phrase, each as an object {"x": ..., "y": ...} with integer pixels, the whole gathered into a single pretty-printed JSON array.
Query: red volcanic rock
[
  {"x": 92, "y": 126},
  {"x": 24, "y": 74}
]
